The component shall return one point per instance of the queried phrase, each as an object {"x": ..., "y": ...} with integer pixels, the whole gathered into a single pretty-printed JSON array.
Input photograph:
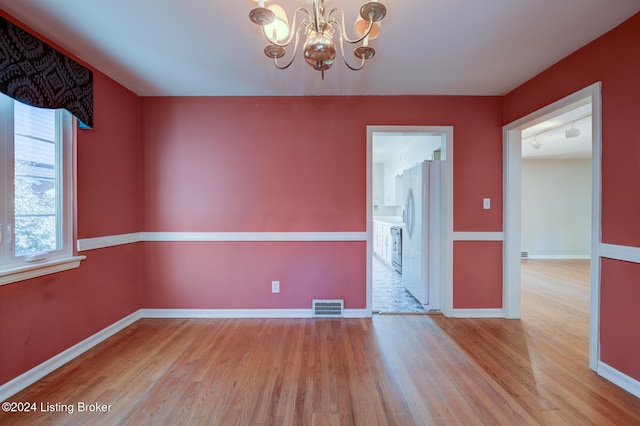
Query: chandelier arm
[
  {"x": 295, "y": 48},
  {"x": 317, "y": 15},
  {"x": 293, "y": 25},
  {"x": 343, "y": 33},
  {"x": 344, "y": 59}
]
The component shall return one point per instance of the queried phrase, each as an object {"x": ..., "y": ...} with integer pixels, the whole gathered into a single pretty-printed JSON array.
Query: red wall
[
  {"x": 612, "y": 59},
  {"x": 278, "y": 164},
  {"x": 475, "y": 274},
  {"x": 238, "y": 275},
  {"x": 619, "y": 336},
  {"x": 42, "y": 317},
  {"x": 109, "y": 175}
]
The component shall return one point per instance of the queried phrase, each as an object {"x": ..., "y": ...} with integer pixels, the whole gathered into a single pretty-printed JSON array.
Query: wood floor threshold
[{"x": 409, "y": 313}]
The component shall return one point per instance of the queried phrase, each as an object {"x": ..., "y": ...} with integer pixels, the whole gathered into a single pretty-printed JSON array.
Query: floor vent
[
  {"x": 524, "y": 254},
  {"x": 327, "y": 308}
]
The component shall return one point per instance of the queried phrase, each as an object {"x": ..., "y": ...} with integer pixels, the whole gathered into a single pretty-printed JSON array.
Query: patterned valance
[{"x": 36, "y": 74}]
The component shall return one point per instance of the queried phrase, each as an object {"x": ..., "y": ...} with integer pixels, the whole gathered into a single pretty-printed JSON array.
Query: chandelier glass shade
[{"x": 317, "y": 28}]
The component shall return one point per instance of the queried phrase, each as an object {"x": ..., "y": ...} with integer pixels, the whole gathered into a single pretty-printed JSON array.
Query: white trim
[
  {"x": 557, "y": 256},
  {"x": 39, "y": 269},
  {"x": 446, "y": 231},
  {"x": 355, "y": 313},
  {"x": 446, "y": 212},
  {"x": 512, "y": 222},
  {"x": 16, "y": 267},
  {"x": 478, "y": 236},
  {"x": 108, "y": 241},
  {"x": 479, "y": 313},
  {"x": 627, "y": 383},
  {"x": 38, "y": 372},
  {"x": 226, "y": 313},
  {"x": 369, "y": 219},
  {"x": 627, "y": 253},
  {"x": 136, "y": 237},
  {"x": 254, "y": 236},
  {"x": 241, "y": 313},
  {"x": 596, "y": 223},
  {"x": 512, "y": 205}
]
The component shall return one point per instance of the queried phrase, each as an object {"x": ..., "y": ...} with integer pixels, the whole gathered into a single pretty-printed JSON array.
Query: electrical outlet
[
  {"x": 275, "y": 286},
  {"x": 486, "y": 203}
]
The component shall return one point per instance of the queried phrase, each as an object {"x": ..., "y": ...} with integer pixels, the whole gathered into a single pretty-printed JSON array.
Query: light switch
[{"x": 486, "y": 203}]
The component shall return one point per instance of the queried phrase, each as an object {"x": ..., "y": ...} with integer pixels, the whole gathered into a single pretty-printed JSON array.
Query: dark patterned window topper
[{"x": 36, "y": 74}]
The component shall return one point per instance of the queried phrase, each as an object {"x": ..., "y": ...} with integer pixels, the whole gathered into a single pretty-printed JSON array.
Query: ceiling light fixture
[
  {"x": 319, "y": 49},
  {"x": 572, "y": 133},
  {"x": 534, "y": 143}
]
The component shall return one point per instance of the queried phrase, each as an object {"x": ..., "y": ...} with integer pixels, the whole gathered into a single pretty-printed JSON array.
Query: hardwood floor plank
[{"x": 388, "y": 370}]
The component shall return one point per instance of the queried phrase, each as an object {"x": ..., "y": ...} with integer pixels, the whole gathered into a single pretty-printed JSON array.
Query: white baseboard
[
  {"x": 356, "y": 313},
  {"x": 226, "y": 313},
  {"x": 241, "y": 313},
  {"x": 557, "y": 256},
  {"x": 14, "y": 386},
  {"x": 627, "y": 383},
  {"x": 479, "y": 313}
]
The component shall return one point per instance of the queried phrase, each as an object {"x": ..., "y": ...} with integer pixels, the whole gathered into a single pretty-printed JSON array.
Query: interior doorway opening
[
  {"x": 564, "y": 170},
  {"x": 408, "y": 218},
  {"x": 556, "y": 168}
]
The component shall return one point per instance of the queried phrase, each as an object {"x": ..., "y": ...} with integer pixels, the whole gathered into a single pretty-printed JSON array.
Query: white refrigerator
[{"x": 421, "y": 233}]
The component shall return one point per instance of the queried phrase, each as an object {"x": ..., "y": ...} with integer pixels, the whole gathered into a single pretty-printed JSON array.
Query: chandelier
[{"x": 319, "y": 49}]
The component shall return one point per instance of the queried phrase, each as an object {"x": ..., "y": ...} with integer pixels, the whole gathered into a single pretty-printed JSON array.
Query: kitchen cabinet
[
  {"x": 386, "y": 250},
  {"x": 383, "y": 240},
  {"x": 378, "y": 238}
]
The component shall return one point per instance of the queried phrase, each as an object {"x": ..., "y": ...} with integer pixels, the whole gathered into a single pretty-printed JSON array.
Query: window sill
[{"x": 39, "y": 269}]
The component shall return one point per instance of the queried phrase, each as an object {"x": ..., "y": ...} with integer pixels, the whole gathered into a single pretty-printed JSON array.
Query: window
[{"x": 35, "y": 189}]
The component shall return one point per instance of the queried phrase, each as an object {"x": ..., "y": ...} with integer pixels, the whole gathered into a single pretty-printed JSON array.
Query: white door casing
[
  {"x": 512, "y": 208},
  {"x": 446, "y": 210}
]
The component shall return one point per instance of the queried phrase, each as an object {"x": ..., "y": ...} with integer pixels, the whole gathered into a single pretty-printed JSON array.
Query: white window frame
[{"x": 22, "y": 268}]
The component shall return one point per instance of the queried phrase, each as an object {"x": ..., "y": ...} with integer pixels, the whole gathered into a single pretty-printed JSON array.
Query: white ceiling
[{"x": 210, "y": 48}]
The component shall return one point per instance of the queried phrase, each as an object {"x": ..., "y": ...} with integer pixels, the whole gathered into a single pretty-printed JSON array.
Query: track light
[
  {"x": 534, "y": 143},
  {"x": 572, "y": 133}
]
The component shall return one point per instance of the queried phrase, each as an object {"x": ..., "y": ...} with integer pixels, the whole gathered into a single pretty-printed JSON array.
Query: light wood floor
[{"x": 405, "y": 370}]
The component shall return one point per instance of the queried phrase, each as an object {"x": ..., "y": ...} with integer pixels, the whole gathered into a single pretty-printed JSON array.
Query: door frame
[
  {"x": 512, "y": 208},
  {"x": 446, "y": 211}
]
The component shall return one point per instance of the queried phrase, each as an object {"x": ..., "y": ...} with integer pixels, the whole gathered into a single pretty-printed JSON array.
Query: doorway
[
  {"x": 565, "y": 120},
  {"x": 392, "y": 150},
  {"x": 556, "y": 166}
]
